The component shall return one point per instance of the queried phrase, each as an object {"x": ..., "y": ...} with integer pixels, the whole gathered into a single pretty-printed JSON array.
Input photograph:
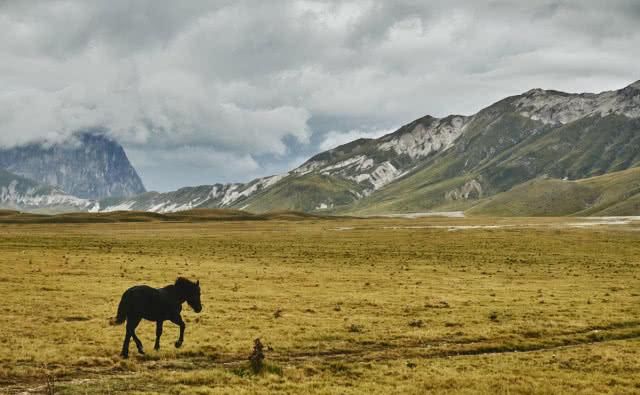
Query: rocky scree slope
[{"x": 19, "y": 193}]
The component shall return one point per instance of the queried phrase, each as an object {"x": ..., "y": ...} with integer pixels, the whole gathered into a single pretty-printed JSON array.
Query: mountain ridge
[
  {"x": 456, "y": 161},
  {"x": 439, "y": 164},
  {"x": 610, "y": 194}
]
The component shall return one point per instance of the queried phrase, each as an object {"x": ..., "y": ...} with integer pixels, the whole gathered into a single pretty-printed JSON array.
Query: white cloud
[{"x": 247, "y": 78}]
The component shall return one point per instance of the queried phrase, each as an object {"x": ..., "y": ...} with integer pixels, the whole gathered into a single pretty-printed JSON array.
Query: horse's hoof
[
  {"x": 178, "y": 344},
  {"x": 124, "y": 356},
  {"x": 156, "y": 348},
  {"x": 141, "y": 352}
]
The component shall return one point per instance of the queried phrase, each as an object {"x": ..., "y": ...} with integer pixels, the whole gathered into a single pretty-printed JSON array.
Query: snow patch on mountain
[
  {"x": 37, "y": 198},
  {"x": 230, "y": 195},
  {"x": 125, "y": 206},
  {"x": 363, "y": 169},
  {"x": 422, "y": 141},
  {"x": 168, "y": 207},
  {"x": 381, "y": 176},
  {"x": 308, "y": 167},
  {"x": 261, "y": 184},
  {"x": 218, "y": 195},
  {"x": 324, "y": 206},
  {"x": 357, "y": 163},
  {"x": 57, "y": 199},
  {"x": 239, "y": 191}
]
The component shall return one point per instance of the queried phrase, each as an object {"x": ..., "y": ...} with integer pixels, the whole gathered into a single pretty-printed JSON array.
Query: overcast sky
[{"x": 215, "y": 91}]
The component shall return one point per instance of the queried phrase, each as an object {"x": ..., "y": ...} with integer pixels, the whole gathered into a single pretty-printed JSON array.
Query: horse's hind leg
[
  {"x": 125, "y": 345},
  {"x": 131, "y": 330}
]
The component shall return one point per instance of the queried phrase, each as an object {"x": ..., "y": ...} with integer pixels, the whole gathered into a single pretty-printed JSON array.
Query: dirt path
[{"x": 431, "y": 349}]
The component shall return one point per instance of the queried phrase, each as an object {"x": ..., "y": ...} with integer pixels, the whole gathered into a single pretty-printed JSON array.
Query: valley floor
[{"x": 378, "y": 305}]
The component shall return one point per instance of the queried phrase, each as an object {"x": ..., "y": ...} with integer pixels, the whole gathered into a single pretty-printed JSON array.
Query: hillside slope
[
  {"x": 613, "y": 194},
  {"x": 504, "y": 145},
  {"x": 339, "y": 178}
]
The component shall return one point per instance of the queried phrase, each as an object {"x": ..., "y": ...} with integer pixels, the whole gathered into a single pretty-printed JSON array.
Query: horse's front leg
[
  {"x": 178, "y": 321},
  {"x": 158, "y": 334}
]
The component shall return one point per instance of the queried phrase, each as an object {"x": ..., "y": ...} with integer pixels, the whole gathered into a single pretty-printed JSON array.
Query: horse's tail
[{"x": 121, "y": 317}]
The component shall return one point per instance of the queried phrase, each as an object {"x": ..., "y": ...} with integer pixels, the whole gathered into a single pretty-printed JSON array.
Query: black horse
[{"x": 157, "y": 305}]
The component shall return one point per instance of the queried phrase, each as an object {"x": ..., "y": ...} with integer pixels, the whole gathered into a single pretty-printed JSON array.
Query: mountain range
[{"x": 543, "y": 152}]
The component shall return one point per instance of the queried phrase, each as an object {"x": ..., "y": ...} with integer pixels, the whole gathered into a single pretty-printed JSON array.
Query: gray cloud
[{"x": 256, "y": 86}]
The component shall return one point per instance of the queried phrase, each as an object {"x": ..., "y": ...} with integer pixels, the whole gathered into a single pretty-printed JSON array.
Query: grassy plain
[{"x": 429, "y": 305}]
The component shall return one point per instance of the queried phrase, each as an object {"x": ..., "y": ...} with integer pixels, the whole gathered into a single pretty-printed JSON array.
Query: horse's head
[{"x": 190, "y": 291}]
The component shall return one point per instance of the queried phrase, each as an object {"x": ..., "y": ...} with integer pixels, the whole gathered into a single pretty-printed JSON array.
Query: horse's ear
[{"x": 198, "y": 283}]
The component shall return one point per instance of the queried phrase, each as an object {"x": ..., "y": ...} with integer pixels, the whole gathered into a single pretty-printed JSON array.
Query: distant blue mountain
[{"x": 89, "y": 166}]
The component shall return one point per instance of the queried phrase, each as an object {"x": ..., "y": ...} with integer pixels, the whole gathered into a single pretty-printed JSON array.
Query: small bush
[
  {"x": 416, "y": 323},
  {"x": 257, "y": 356},
  {"x": 353, "y": 328}
]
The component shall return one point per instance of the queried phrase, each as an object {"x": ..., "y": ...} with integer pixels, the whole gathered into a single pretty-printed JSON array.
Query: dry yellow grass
[{"x": 343, "y": 306}]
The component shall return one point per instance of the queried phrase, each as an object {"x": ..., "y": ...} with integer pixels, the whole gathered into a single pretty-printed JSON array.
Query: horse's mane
[{"x": 182, "y": 282}]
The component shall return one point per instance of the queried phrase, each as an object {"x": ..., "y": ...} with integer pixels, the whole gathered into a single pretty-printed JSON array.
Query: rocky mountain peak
[
  {"x": 90, "y": 165},
  {"x": 635, "y": 85},
  {"x": 555, "y": 107}
]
